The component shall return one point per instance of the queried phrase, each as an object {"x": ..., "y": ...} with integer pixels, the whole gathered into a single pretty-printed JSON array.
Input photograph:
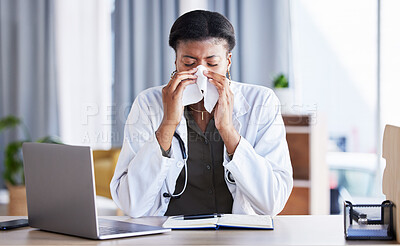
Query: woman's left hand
[{"x": 223, "y": 110}]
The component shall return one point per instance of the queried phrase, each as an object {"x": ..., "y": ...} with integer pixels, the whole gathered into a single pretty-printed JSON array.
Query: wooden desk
[{"x": 289, "y": 230}]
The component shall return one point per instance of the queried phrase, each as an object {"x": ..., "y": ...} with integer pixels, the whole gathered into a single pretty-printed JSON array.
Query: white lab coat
[{"x": 261, "y": 164}]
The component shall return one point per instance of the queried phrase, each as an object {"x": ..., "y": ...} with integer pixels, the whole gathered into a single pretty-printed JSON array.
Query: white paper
[
  {"x": 228, "y": 220},
  {"x": 193, "y": 93}
]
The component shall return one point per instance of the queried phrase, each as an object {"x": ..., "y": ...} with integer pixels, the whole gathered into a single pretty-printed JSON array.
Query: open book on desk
[{"x": 225, "y": 220}]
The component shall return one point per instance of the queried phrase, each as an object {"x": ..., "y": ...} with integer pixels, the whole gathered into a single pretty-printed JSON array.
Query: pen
[{"x": 201, "y": 216}]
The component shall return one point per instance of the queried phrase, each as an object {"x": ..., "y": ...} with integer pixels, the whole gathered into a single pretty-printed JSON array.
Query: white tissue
[{"x": 193, "y": 93}]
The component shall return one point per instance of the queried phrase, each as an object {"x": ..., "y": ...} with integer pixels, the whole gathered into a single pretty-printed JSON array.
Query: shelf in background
[{"x": 306, "y": 137}]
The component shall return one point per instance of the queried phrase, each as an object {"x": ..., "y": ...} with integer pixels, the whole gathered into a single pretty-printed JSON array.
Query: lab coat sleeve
[
  {"x": 262, "y": 169},
  {"x": 139, "y": 178}
]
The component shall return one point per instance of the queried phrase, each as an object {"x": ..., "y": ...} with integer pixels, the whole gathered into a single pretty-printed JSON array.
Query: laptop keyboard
[
  {"x": 106, "y": 230},
  {"x": 113, "y": 227}
]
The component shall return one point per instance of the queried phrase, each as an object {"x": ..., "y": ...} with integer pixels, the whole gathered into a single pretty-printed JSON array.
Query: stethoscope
[
  {"x": 184, "y": 156},
  {"x": 228, "y": 175}
]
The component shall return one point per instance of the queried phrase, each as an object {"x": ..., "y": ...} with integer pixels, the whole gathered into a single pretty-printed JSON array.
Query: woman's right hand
[
  {"x": 172, "y": 102},
  {"x": 172, "y": 96}
]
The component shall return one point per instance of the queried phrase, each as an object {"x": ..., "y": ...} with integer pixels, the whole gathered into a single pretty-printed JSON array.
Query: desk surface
[{"x": 289, "y": 230}]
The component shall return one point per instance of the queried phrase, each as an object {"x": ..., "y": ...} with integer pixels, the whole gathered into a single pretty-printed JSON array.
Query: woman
[{"x": 233, "y": 159}]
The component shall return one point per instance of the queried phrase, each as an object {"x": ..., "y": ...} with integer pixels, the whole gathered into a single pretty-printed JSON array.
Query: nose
[{"x": 202, "y": 63}]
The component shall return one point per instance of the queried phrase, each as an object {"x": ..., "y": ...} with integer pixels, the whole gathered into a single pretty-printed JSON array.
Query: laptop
[{"x": 61, "y": 195}]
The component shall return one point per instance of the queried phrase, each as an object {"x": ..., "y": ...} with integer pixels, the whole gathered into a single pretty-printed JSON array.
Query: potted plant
[
  {"x": 283, "y": 92},
  {"x": 13, "y": 165},
  {"x": 280, "y": 81}
]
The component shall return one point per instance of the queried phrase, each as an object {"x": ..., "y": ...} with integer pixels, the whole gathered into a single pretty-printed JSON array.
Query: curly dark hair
[{"x": 201, "y": 25}]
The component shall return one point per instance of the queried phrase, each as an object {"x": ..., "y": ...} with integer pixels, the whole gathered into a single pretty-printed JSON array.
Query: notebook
[
  {"x": 226, "y": 220},
  {"x": 61, "y": 195}
]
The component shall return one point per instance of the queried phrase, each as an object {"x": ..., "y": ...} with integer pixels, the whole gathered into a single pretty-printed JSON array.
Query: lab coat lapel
[
  {"x": 237, "y": 124},
  {"x": 240, "y": 107}
]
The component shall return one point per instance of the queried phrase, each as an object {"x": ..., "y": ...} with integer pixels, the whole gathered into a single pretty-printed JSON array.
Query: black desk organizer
[{"x": 368, "y": 221}]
